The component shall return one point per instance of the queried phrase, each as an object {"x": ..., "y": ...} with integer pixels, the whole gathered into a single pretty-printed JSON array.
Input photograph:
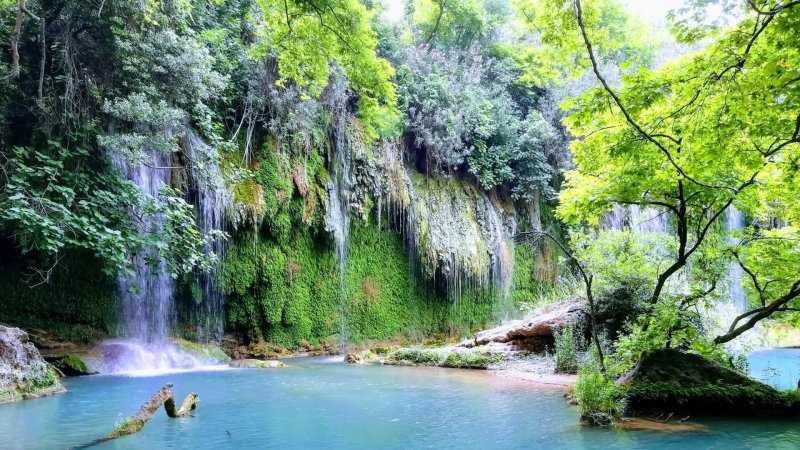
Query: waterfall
[
  {"x": 457, "y": 235},
  {"x": 213, "y": 201},
  {"x": 501, "y": 249},
  {"x": 148, "y": 310},
  {"x": 636, "y": 218},
  {"x": 337, "y": 220},
  {"x": 734, "y": 220}
]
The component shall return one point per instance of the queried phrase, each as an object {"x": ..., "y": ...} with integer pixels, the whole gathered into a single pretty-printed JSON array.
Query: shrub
[
  {"x": 600, "y": 402},
  {"x": 472, "y": 360},
  {"x": 416, "y": 356},
  {"x": 567, "y": 349}
]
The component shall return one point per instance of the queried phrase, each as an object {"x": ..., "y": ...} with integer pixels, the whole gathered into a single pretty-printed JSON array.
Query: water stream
[
  {"x": 148, "y": 310},
  {"x": 734, "y": 220},
  {"x": 212, "y": 200},
  {"x": 338, "y": 218}
]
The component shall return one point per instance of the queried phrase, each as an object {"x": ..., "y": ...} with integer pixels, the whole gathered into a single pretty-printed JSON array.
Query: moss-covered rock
[
  {"x": 415, "y": 356},
  {"x": 452, "y": 357},
  {"x": 23, "y": 372},
  {"x": 256, "y": 364},
  {"x": 71, "y": 365},
  {"x": 668, "y": 381},
  {"x": 360, "y": 357},
  {"x": 205, "y": 351}
]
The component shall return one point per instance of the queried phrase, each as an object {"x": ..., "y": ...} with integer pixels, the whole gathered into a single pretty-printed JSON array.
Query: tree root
[{"x": 165, "y": 397}]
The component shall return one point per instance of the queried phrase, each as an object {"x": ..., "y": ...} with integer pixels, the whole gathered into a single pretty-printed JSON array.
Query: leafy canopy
[{"x": 308, "y": 37}]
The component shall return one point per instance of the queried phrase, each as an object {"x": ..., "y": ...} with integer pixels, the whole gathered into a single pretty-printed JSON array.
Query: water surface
[{"x": 320, "y": 403}]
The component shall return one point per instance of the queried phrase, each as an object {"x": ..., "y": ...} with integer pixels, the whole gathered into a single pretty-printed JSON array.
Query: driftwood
[{"x": 165, "y": 397}]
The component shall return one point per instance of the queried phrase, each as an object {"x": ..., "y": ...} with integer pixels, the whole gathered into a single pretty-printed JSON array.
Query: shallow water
[
  {"x": 779, "y": 367},
  {"x": 322, "y": 403}
]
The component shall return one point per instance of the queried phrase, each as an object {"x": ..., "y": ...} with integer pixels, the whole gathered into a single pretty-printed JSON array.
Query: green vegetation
[
  {"x": 446, "y": 136},
  {"x": 45, "y": 380},
  {"x": 472, "y": 359},
  {"x": 71, "y": 365},
  {"x": 600, "y": 402},
  {"x": 79, "y": 304},
  {"x": 291, "y": 296},
  {"x": 416, "y": 356},
  {"x": 667, "y": 379},
  {"x": 567, "y": 350}
]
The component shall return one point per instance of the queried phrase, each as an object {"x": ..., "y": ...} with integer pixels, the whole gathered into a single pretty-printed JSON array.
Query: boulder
[
  {"x": 71, "y": 365},
  {"x": 360, "y": 358},
  {"x": 535, "y": 332},
  {"x": 23, "y": 372},
  {"x": 670, "y": 381},
  {"x": 256, "y": 364},
  {"x": 353, "y": 358}
]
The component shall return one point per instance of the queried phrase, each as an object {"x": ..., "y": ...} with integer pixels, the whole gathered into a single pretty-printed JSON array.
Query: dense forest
[{"x": 309, "y": 175}]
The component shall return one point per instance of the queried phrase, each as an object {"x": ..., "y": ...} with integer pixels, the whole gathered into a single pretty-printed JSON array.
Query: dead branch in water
[{"x": 165, "y": 397}]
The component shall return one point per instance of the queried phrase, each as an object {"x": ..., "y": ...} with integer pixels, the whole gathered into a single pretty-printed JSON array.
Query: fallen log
[{"x": 165, "y": 397}]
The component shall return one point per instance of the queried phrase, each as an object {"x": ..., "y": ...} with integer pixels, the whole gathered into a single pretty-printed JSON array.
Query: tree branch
[{"x": 587, "y": 279}]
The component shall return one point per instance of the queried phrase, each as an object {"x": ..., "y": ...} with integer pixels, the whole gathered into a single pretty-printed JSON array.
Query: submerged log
[{"x": 165, "y": 397}]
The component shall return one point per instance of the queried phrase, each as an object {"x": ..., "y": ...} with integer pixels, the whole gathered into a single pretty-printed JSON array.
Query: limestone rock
[
  {"x": 352, "y": 358},
  {"x": 256, "y": 364},
  {"x": 540, "y": 324},
  {"x": 23, "y": 372}
]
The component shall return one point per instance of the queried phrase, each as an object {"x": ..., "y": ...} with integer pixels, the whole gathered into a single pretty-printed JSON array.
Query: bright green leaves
[
  {"x": 625, "y": 39},
  {"x": 52, "y": 203},
  {"x": 715, "y": 128},
  {"x": 307, "y": 38},
  {"x": 716, "y": 125},
  {"x": 457, "y": 23}
]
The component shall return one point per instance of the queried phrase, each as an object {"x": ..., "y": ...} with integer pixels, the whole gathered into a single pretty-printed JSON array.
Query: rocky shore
[{"x": 24, "y": 374}]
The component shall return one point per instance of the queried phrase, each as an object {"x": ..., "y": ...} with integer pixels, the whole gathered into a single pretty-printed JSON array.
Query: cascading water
[
  {"x": 636, "y": 218},
  {"x": 212, "y": 200},
  {"x": 337, "y": 220},
  {"x": 501, "y": 248},
  {"x": 456, "y": 234},
  {"x": 148, "y": 311},
  {"x": 147, "y": 307},
  {"x": 734, "y": 220}
]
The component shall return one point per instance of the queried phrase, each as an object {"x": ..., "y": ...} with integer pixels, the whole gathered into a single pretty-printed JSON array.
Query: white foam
[{"x": 137, "y": 358}]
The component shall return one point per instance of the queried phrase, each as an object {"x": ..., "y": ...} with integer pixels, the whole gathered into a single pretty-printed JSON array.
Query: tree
[
  {"x": 307, "y": 36},
  {"x": 717, "y": 128}
]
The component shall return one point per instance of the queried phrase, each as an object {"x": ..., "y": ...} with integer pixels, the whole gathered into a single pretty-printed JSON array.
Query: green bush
[
  {"x": 600, "y": 402},
  {"x": 472, "y": 359},
  {"x": 44, "y": 380},
  {"x": 566, "y": 348},
  {"x": 416, "y": 356}
]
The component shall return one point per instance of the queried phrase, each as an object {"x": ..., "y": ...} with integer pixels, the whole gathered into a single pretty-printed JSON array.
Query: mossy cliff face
[
  {"x": 78, "y": 303},
  {"x": 426, "y": 255},
  {"x": 290, "y": 295},
  {"x": 456, "y": 232}
]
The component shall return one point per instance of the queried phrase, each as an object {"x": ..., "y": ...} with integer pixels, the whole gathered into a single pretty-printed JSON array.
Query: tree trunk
[{"x": 165, "y": 397}]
